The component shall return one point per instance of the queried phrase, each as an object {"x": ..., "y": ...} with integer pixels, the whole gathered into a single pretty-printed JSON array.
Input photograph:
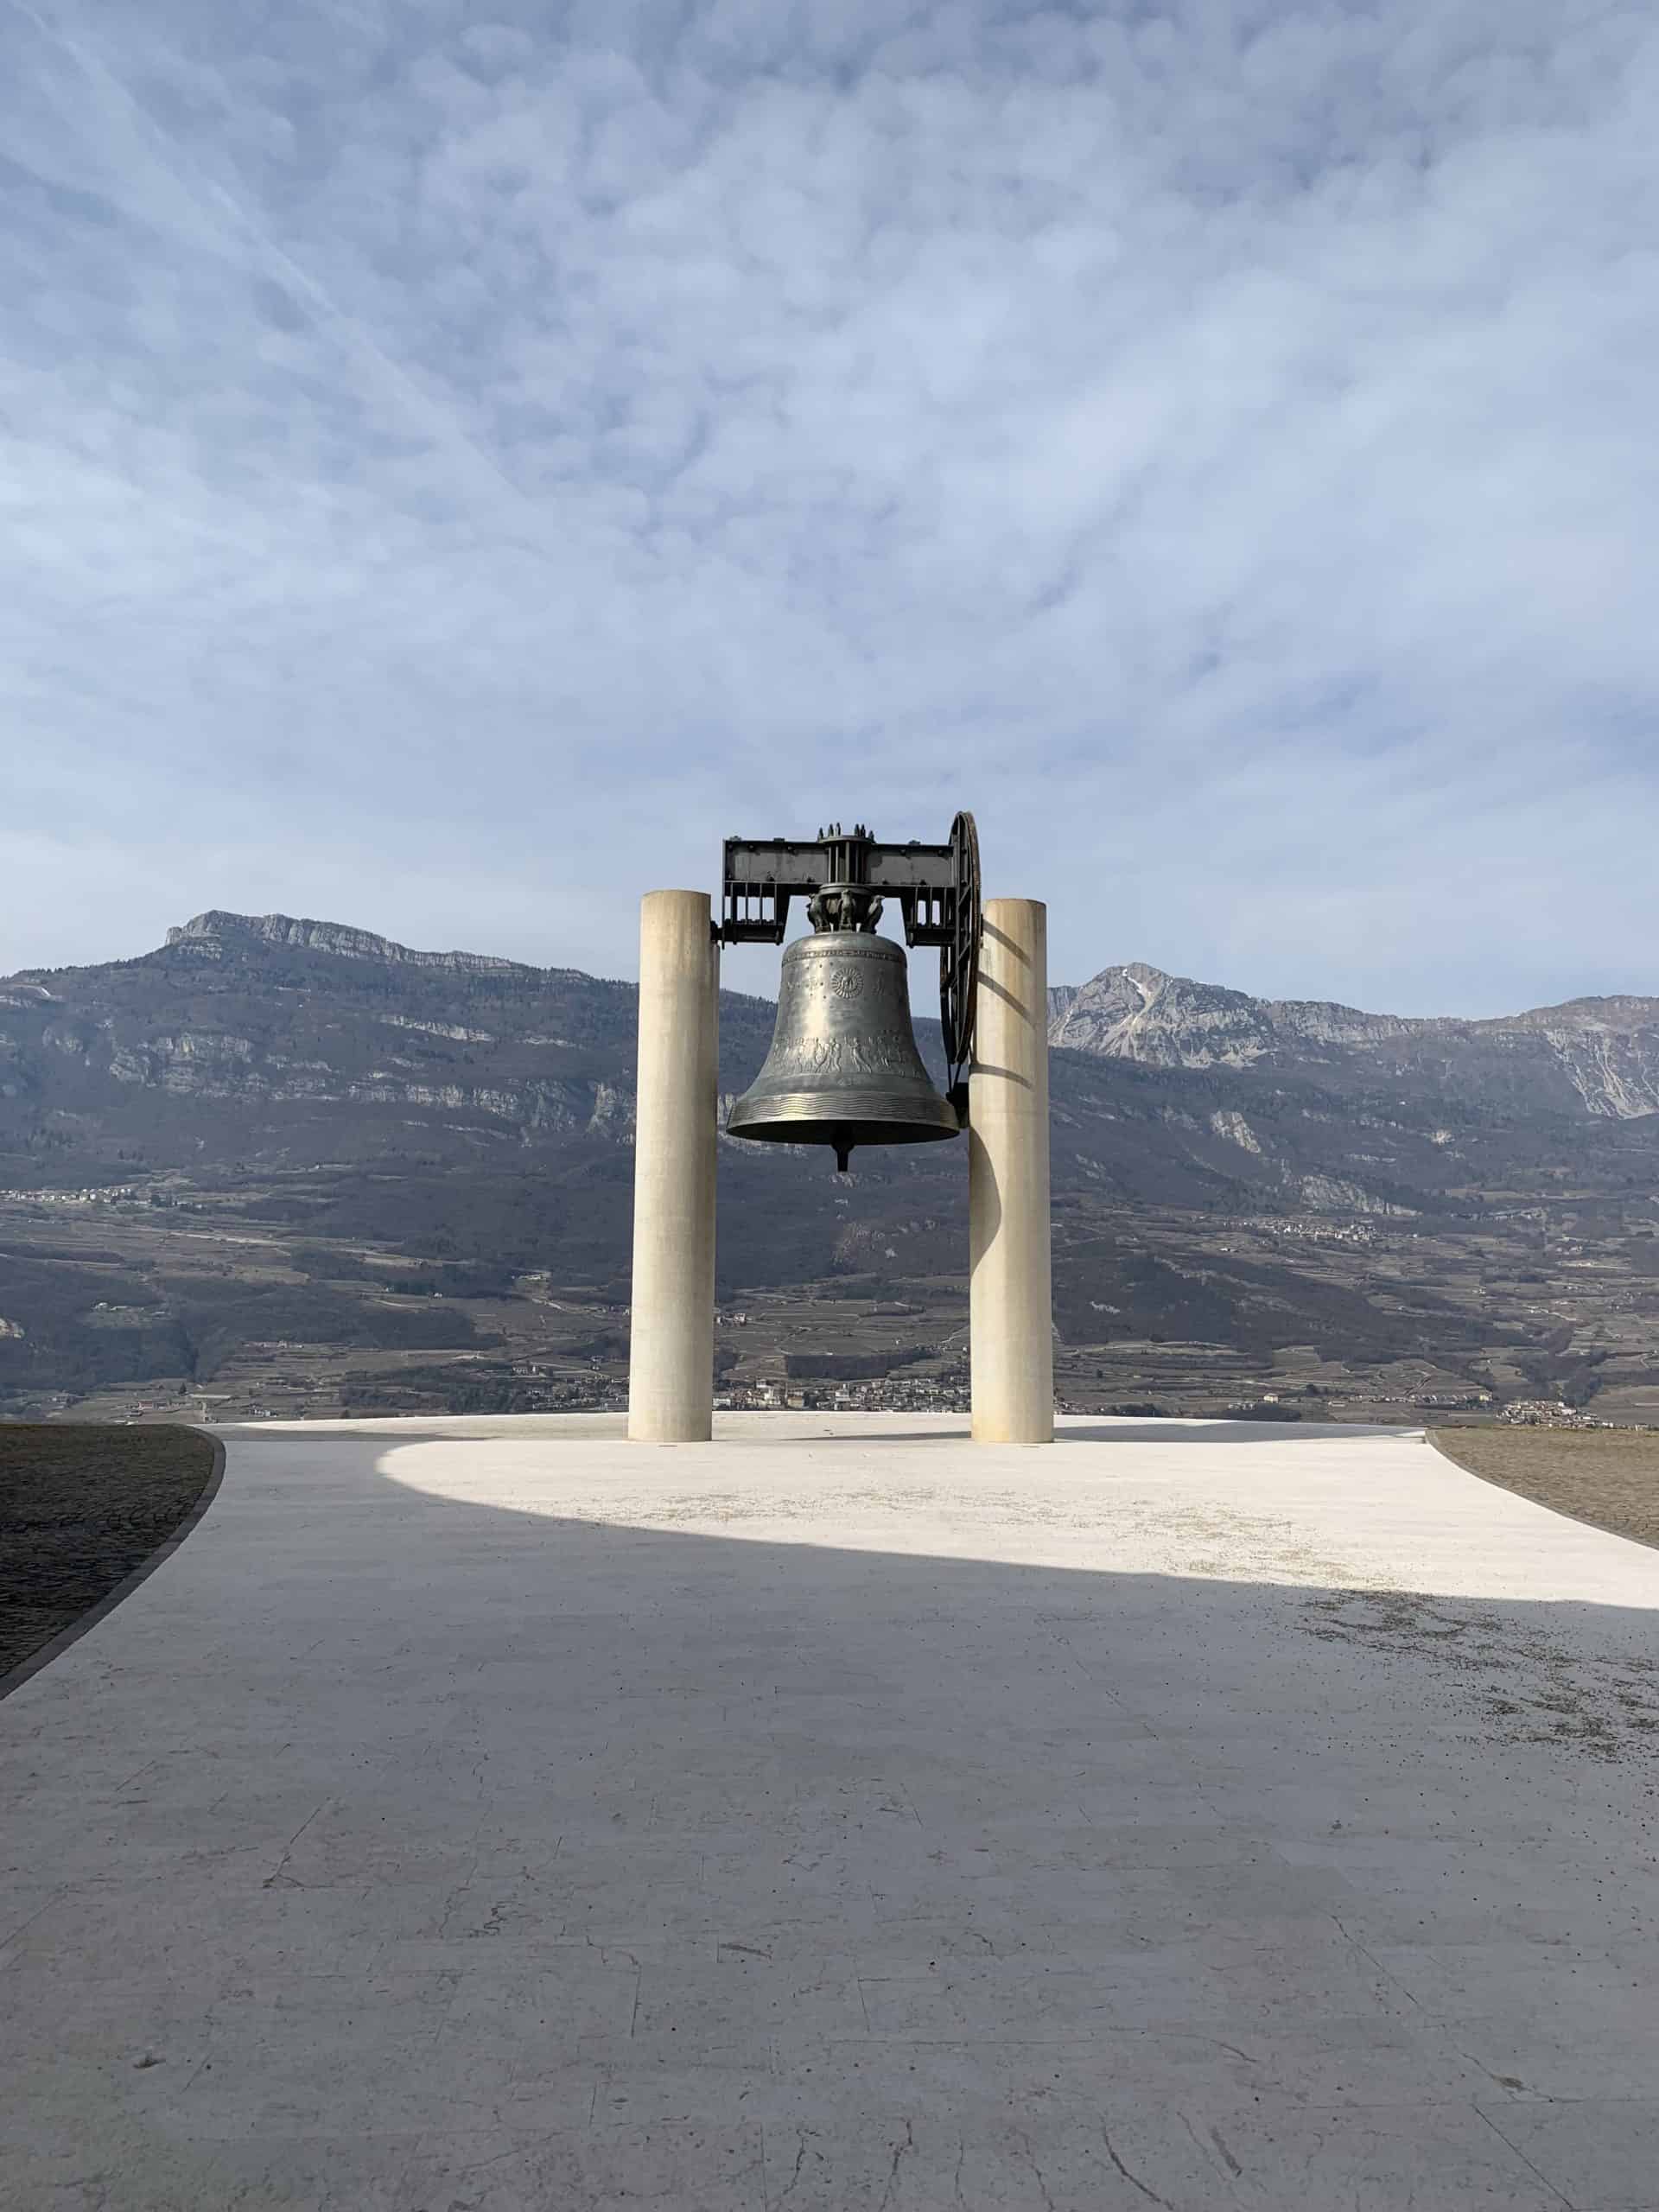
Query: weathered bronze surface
[
  {"x": 844, "y": 1069},
  {"x": 844, "y": 875}
]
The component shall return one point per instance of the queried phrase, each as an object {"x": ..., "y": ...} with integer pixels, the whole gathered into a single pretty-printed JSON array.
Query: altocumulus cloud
[{"x": 460, "y": 460}]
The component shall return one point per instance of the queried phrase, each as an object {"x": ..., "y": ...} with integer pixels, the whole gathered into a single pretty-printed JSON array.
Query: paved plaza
[{"x": 473, "y": 1816}]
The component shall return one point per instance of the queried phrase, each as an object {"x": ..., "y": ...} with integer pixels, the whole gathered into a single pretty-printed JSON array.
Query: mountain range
[
  {"x": 1598, "y": 1055},
  {"x": 549, "y": 1054},
  {"x": 329, "y": 1086}
]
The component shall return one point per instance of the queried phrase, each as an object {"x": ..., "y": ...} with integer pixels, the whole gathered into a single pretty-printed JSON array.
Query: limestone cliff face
[
  {"x": 1608, "y": 1049},
  {"x": 1138, "y": 1012},
  {"x": 1597, "y": 1056},
  {"x": 265, "y": 1036},
  {"x": 220, "y": 1066}
]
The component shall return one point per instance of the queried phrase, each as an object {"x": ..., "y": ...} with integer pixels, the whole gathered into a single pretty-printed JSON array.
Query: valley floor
[{"x": 489, "y": 1813}]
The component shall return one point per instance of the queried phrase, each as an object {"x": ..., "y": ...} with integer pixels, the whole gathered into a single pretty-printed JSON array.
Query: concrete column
[
  {"x": 1010, "y": 1303},
  {"x": 672, "y": 1342}
]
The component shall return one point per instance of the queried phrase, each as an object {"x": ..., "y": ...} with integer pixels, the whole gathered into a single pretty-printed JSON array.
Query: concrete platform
[{"x": 477, "y": 1815}]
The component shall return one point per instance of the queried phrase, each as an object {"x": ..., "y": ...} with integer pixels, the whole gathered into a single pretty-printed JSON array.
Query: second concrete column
[{"x": 1010, "y": 1298}]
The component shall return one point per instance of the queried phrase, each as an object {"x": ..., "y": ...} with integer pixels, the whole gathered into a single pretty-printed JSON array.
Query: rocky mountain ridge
[
  {"x": 279, "y": 1011},
  {"x": 268, "y": 1023},
  {"x": 1593, "y": 1055},
  {"x": 212, "y": 932},
  {"x": 262, "y": 1044}
]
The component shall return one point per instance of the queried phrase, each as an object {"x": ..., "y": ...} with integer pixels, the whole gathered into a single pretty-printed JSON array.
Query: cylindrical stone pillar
[
  {"x": 1010, "y": 1304},
  {"x": 671, "y": 1337}
]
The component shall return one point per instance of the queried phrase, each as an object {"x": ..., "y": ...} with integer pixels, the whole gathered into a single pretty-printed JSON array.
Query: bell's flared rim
[{"x": 799, "y": 1118}]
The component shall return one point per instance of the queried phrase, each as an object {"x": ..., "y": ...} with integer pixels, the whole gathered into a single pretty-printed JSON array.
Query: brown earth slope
[{"x": 1607, "y": 1476}]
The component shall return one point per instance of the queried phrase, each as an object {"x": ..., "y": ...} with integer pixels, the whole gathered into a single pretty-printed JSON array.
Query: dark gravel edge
[{"x": 59, "y": 1643}]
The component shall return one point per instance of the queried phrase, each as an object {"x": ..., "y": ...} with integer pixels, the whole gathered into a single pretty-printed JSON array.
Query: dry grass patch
[
  {"x": 81, "y": 1505},
  {"x": 1608, "y": 1476}
]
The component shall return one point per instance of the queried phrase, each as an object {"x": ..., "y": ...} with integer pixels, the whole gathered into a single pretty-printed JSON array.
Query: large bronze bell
[{"x": 844, "y": 1069}]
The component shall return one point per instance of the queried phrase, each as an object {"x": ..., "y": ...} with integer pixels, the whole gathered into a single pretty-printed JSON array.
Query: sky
[{"x": 459, "y": 462}]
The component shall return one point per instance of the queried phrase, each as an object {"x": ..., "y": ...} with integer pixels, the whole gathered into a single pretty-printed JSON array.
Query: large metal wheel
[{"x": 959, "y": 960}]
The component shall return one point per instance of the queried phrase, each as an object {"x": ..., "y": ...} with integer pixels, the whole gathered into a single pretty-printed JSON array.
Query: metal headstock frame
[{"x": 938, "y": 888}]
